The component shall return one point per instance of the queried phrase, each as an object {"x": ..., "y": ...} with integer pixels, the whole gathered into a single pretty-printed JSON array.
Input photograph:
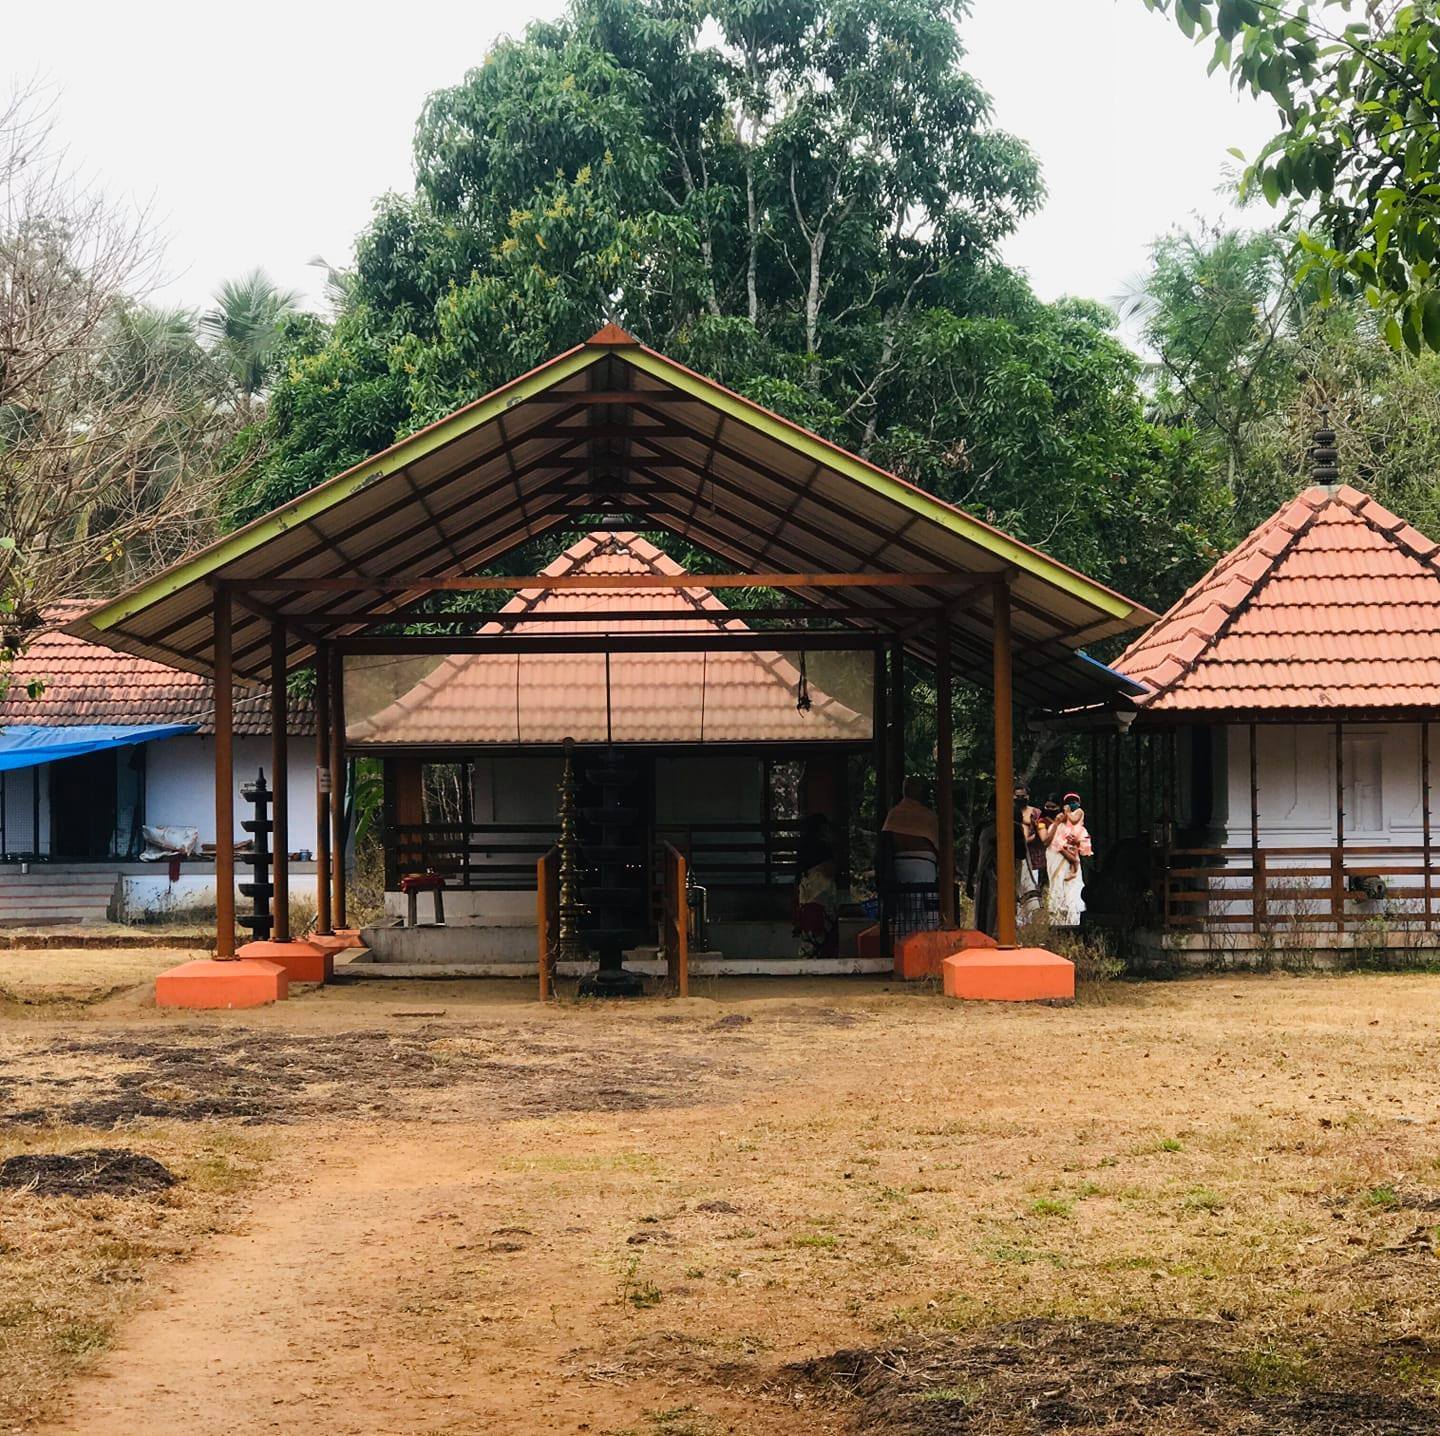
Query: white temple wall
[{"x": 1295, "y": 769}]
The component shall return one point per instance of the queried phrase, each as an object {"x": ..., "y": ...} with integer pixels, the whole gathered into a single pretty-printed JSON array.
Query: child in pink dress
[{"x": 1067, "y": 841}]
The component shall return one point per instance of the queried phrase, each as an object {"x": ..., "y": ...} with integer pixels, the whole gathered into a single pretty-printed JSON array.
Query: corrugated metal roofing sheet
[
  {"x": 1331, "y": 605},
  {"x": 673, "y": 448}
]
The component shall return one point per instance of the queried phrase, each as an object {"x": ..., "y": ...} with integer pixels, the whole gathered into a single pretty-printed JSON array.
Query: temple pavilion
[{"x": 391, "y": 582}]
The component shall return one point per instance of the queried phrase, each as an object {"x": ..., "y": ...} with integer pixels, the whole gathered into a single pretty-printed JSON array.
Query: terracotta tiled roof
[
  {"x": 85, "y": 683},
  {"x": 654, "y": 698},
  {"x": 1333, "y": 603}
]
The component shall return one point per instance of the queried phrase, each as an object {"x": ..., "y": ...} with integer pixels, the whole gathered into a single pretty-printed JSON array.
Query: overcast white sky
[{"x": 261, "y": 135}]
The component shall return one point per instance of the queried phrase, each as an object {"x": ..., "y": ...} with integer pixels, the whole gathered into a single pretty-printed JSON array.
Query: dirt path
[
  {"x": 635, "y": 1223},
  {"x": 381, "y": 1290}
]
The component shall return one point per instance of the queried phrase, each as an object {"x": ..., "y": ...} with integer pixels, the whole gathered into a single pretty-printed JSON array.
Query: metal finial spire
[{"x": 1324, "y": 456}]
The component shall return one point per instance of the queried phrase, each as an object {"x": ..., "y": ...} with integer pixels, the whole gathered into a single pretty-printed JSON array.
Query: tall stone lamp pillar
[{"x": 571, "y": 946}]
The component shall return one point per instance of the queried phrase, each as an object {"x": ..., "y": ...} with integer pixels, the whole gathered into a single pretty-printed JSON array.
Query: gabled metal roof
[{"x": 613, "y": 424}]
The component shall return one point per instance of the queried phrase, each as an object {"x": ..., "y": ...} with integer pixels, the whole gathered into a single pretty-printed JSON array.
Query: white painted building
[
  {"x": 113, "y": 745},
  {"x": 1282, "y": 746}
]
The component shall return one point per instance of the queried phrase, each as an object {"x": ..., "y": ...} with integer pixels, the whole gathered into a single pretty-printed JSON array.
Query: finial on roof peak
[
  {"x": 1324, "y": 456},
  {"x": 611, "y": 334}
]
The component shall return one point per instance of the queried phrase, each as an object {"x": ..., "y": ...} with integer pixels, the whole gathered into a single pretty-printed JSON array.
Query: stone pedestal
[
  {"x": 920, "y": 954},
  {"x": 1014, "y": 974},
  {"x": 302, "y": 961},
  {"x": 210, "y": 983}
]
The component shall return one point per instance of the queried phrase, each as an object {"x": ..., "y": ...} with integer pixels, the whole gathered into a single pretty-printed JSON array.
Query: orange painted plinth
[
  {"x": 867, "y": 941},
  {"x": 302, "y": 961},
  {"x": 331, "y": 942},
  {"x": 351, "y": 936},
  {"x": 920, "y": 954},
  {"x": 1014, "y": 974},
  {"x": 210, "y": 983}
]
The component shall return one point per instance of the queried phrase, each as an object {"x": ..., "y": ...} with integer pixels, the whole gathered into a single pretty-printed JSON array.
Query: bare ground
[{"x": 1208, "y": 1206}]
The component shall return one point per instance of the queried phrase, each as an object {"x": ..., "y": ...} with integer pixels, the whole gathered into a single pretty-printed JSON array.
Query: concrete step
[
  {"x": 47, "y": 880},
  {"x": 55, "y": 893},
  {"x": 79, "y": 916},
  {"x": 42, "y": 894},
  {"x": 29, "y": 904},
  {"x": 366, "y": 967}
]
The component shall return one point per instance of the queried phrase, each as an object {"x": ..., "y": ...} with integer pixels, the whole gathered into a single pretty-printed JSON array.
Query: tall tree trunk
[
  {"x": 752, "y": 296},
  {"x": 812, "y": 295}
]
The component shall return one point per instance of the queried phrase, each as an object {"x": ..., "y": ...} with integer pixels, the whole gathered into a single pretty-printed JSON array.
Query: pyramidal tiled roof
[
  {"x": 85, "y": 683},
  {"x": 627, "y": 697},
  {"x": 1333, "y": 603}
]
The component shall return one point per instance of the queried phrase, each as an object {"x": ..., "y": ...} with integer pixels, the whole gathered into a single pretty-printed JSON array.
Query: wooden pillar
[
  {"x": 1115, "y": 756},
  {"x": 880, "y": 756},
  {"x": 280, "y": 782},
  {"x": 224, "y": 779},
  {"x": 1425, "y": 813},
  {"x": 1337, "y": 865},
  {"x": 897, "y": 722},
  {"x": 880, "y": 723},
  {"x": 945, "y": 770},
  {"x": 337, "y": 790},
  {"x": 1258, "y": 912},
  {"x": 323, "y": 924},
  {"x": 1005, "y": 895}
]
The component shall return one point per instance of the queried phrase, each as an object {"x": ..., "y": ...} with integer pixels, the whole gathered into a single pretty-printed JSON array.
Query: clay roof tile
[{"x": 1332, "y": 603}]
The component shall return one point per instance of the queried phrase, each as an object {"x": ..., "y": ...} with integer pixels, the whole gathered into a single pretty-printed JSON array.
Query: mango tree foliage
[
  {"x": 1357, "y": 159},
  {"x": 802, "y": 198}
]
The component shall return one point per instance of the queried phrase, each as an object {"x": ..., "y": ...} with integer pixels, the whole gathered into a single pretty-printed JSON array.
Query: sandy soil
[{"x": 481, "y": 1216}]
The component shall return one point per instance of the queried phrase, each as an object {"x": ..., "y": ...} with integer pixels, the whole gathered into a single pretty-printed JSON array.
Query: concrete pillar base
[
  {"x": 1014, "y": 974},
  {"x": 331, "y": 942},
  {"x": 211, "y": 983},
  {"x": 920, "y": 954},
  {"x": 302, "y": 961}
]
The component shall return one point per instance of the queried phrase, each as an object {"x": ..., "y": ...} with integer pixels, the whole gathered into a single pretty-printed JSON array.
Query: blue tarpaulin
[{"x": 24, "y": 745}]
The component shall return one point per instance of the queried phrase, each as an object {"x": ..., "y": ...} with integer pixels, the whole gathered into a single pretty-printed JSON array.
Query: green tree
[
  {"x": 1247, "y": 361},
  {"x": 243, "y": 328},
  {"x": 1357, "y": 157},
  {"x": 803, "y": 199},
  {"x": 110, "y": 428},
  {"x": 1221, "y": 310}
]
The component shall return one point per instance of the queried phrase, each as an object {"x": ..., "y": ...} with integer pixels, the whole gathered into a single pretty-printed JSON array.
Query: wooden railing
[
  {"x": 468, "y": 855},
  {"x": 735, "y": 854},
  {"x": 503, "y": 855},
  {"x": 1265, "y": 889},
  {"x": 675, "y": 919},
  {"x": 547, "y": 918}
]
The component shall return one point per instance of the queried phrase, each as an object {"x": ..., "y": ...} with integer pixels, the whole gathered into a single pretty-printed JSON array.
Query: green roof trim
[
  {"x": 325, "y": 496},
  {"x": 611, "y": 342},
  {"x": 831, "y": 456}
]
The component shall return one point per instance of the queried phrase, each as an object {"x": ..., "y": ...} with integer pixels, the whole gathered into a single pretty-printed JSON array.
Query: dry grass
[
  {"x": 72, "y": 1268},
  {"x": 31, "y": 977},
  {"x": 687, "y": 1209}
]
